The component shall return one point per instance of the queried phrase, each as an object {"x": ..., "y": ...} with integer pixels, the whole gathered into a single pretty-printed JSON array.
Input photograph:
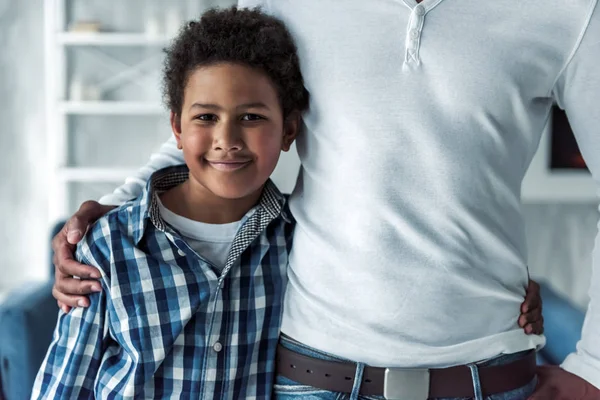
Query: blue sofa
[
  {"x": 563, "y": 322},
  {"x": 28, "y": 318}
]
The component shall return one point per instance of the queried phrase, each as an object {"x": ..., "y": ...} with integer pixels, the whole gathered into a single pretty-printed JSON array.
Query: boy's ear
[
  {"x": 291, "y": 128},
  {"x": 176, "y": 127}
]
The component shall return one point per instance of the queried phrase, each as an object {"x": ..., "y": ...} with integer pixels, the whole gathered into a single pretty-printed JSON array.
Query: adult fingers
[
  {"x": 530, "y": 317},
  {"x": 536, "y": 328},
  {"x": 63, "y": 306},
  {"x": 68, "y": 285},
  {"x": 533, "y": 298},
  {"x": 78, "y": 224},
  {"x": 65, "y": 264},
  {"x": 72, "y": 300}
]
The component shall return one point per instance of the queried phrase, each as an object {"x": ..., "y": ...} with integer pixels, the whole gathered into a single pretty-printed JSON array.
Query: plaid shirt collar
[{"x": 271, "y": 201}]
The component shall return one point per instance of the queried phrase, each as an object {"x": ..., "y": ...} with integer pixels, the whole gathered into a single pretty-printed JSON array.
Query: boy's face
[{"x": 232, "y": 129}]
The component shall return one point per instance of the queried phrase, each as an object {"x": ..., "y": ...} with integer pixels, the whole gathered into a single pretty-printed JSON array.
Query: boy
[{"x": 193, "y": 271}]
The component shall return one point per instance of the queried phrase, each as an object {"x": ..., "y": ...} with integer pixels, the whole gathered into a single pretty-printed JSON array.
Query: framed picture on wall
[
  {"x": 557, "y": 172},
  {"x": 564, "y": 152}
]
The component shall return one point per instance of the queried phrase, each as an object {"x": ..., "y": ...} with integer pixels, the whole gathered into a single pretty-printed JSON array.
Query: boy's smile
[{"x": 228, "y": 165}]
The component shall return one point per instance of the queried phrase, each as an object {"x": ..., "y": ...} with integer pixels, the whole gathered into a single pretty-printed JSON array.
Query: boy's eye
[
  {"x": 206, "y": 117},
  {"x": 251, "y": 117}
]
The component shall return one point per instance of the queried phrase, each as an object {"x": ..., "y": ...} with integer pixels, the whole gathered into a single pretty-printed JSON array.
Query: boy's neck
[{"x": 191, "y": 201}]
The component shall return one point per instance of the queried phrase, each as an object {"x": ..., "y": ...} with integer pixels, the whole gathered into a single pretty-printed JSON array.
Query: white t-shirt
[
  {"x": 211, "y": 241},
  {"x": 409, "y": 247}
]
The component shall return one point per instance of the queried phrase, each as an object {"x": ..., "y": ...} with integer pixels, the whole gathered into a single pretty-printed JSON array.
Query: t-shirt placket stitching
[
  {"x": 413, "y": 35},
  {"x": 414, "y": 31}
]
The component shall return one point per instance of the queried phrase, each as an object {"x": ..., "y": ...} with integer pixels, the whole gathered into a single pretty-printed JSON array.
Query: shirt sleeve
[
  {"x": 168, "y": 155},
  {"x": 71, "y": 365},
  {"x": 577, "y": 91}
]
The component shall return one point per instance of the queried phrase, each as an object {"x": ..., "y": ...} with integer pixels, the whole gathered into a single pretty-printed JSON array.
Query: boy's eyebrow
[
  {"x": 253, "y": 105},
  {"x": 216, "y": 107},
  {"x": 202, "y": 105}
]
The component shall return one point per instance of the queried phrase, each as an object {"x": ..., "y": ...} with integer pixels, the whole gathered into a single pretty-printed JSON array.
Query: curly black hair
[{"x": 237, "y": 35}]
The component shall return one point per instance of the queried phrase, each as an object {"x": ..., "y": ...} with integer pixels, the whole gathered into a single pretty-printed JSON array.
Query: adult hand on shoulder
[
  {"x": 69, "y": 291},
  {"x": 554, "y": 383}
]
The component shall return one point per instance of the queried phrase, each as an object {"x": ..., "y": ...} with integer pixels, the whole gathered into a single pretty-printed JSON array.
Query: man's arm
[
  {"x": 167, "y": 155},
  {"x": 577, "y": 91},
  {"x": 71, "y": 365},
  {"x": 70, "y": 292}
]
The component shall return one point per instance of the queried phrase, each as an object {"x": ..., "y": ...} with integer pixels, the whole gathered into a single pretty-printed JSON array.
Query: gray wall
[
  {"x": 22, "y": 146},
  {"x": 560, "y": 236},
  {"x": 560, "y": 239}
]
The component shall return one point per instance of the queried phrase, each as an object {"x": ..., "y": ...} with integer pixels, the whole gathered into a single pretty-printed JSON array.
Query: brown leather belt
[{"x": 338, "y": 376}]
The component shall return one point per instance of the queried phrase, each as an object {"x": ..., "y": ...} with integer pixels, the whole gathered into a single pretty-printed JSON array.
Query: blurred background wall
[{"x": 23, "y": 201}]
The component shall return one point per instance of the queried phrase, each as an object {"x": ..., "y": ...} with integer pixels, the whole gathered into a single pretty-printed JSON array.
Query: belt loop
[
  {"x": 476, "y": 382},
  {"x": 358, "y": 377}
]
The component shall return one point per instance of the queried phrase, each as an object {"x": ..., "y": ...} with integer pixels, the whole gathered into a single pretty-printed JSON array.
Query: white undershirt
[
  {"x": 409, "y": 248},
  {"x": 211, "y": 241}
]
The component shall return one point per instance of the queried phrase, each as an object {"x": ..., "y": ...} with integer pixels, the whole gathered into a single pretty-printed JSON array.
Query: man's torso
[{"x": 409, "y": 248}]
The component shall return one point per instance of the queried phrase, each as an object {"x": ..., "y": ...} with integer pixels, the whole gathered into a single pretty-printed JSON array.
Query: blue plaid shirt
[{"x": 167, "y": 324}]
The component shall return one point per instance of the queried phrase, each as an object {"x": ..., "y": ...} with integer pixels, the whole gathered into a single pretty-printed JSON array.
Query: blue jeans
[{"x": 286, "y": 389}]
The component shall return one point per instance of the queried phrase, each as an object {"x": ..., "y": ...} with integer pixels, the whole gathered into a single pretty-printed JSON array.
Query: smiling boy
[{"x": 193, "y": 271}]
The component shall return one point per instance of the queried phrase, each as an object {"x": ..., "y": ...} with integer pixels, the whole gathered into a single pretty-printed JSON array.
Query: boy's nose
[{"x": 227, "y": 138}]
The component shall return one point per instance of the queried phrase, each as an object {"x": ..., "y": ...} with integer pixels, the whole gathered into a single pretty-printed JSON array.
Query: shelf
[
  {"x": 83, "y": 174},
  {"x": 110, "y": 39},
  {"x": 111, "y": 107}
]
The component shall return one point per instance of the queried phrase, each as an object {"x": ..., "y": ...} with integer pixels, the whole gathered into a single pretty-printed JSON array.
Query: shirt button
[
  {"x": 420, "y": 10},
  {"x": 217, "y": 347},
  {"x": 181, "y": 253}
]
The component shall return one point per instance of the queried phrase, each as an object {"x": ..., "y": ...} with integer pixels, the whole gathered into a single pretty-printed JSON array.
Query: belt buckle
[{"x": 406, "y": 384}]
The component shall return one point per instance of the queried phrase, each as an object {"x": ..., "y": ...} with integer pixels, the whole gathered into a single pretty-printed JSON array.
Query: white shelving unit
[
  {"x": 60, "y": 108},
  {"x": 80, "y": 174},
  {"x": 109, "y": 39},
  {"x": 109, "y": 108}
]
